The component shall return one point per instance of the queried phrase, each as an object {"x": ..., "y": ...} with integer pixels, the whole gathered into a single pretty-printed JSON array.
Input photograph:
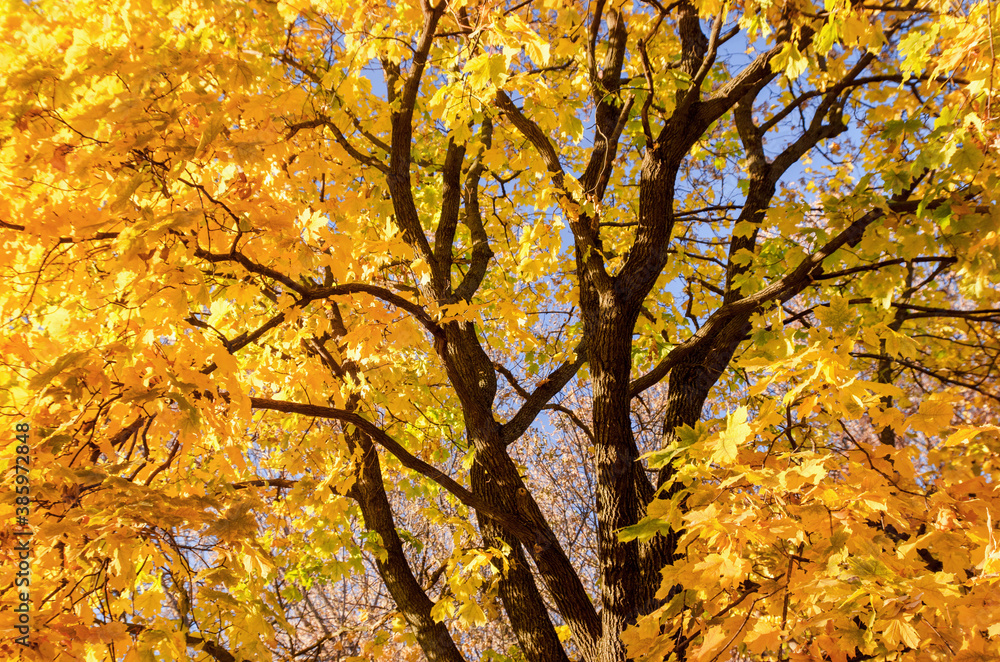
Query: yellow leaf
[
  {"x": 964, "y": 434},
  {"x": 837, "y": 315},
  {"x": 472, "y": 614},
  {"x": 735, "y": 434},
  {"x": 763, "y": 637},
  {"x": 899, "y": 631},
  {"x": 442, "y": 609},
  {"x": 790, "y": 60},
  {"x": 933, "y": 416},
  {"x": 714, "y": 640},
  {"x": 421, "y": 270}
]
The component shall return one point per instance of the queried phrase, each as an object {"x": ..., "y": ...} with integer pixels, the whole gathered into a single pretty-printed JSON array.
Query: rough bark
[
  {"x": 522, "y": 601},
  {"x": 369, "y": 493},
  {"x": 495, "y": 478},
  {"x": 618, "y": 469},
  {"x": 394, "y": 569}
]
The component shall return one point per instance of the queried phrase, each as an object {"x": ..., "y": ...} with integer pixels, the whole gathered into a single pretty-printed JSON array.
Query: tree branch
[
  {"x": 481, "y": 251},
  {"x": 405, "y": 458},
  {"x": 536, "y": 401}
]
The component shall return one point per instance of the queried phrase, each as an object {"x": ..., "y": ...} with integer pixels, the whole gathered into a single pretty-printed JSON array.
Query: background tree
[{"x": 663, "y": 331}]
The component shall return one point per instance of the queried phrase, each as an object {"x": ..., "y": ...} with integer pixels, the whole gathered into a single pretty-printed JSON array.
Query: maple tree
[{"x": 535, "y": 330}]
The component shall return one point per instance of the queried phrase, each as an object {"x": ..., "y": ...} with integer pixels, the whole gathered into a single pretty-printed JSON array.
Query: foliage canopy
[{"x": 537, "y": 330}]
